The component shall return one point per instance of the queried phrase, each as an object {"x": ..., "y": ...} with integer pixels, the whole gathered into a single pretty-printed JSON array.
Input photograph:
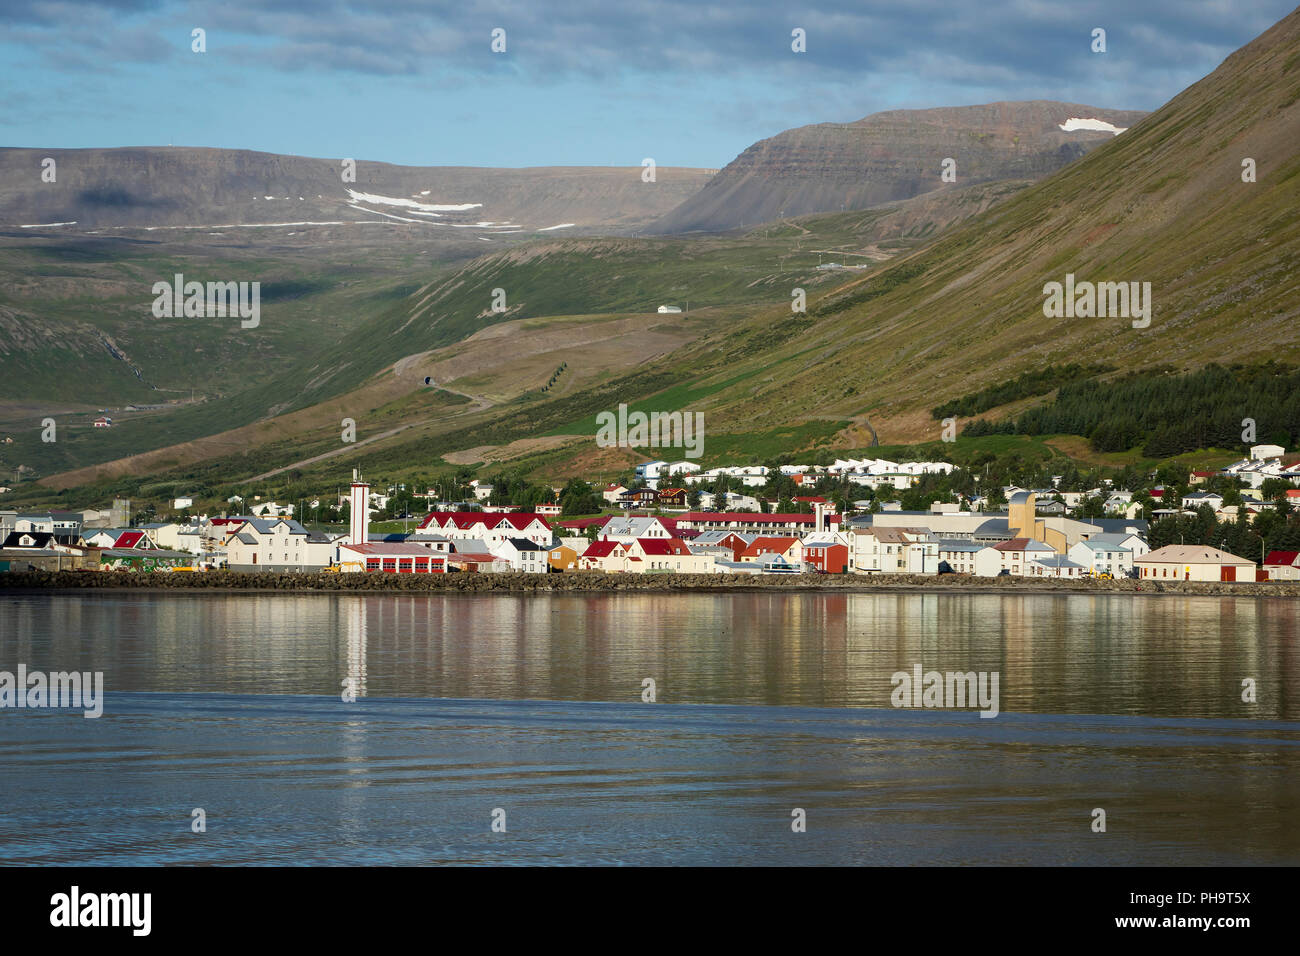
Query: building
[
  {"x": 522, "y": 555},
  {"x": 894, "y": 551},
  {"x": 762, "y": 548},
  {"x": 827, "y": 555},
  {"x": 390, "y": 558},
  {"x": 1193, "y": 562},
  {"x": 1103, "y": 557},
  {"x": 630, "y": 529},
  {"x": 1018, "y": 553},
  {"x": 666, "y": 554},
  {"x": 1283, "y": 565},
  {"x": 277, "y": 545},
  {"x": 489, "y": 528},
  {"x": 608, "y": 556},
  {"x": 968, "y": 557}
]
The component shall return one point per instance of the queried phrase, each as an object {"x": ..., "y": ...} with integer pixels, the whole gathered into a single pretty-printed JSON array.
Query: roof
[
  {"x": 1282, "y": 557},
  {"x": 523, "y": 544},
  {"x": 970, "y": 546},
  {"x": 600, "y": 549},
  {"x": 1056, "y": 561},
  {"x": 464, "y": 520},
  {"x": 763, "y": 545},
  {"x": 391, "y": 549},
  {"x": 40, "y": 539},
  {"x": 1021, "y": 544},
  {"x": 754, "y": 517},
  {"x": 662, "y": 546},
  {"x": 1190, "y": 554}
]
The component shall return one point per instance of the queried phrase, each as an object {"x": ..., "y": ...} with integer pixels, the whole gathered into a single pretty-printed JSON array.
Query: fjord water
[{"x": 766, "y": 702}]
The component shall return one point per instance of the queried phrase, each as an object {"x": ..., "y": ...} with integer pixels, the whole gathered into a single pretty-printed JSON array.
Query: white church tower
[{"x": 360, "y": 510}]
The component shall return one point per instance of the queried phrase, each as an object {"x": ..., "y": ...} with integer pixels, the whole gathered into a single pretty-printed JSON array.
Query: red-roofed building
[
  {"x": 669, "y": 554},
  {"x": 1283, "y": 565},
  {"x": 391, "y": 558},
  {"x": 791, "y": 549},
  {"x": 752, "y": 522},
  {"x": 609, "y": 556},
  {"x": 829, "y": 557},
  {"x": 492, "y": 528}
]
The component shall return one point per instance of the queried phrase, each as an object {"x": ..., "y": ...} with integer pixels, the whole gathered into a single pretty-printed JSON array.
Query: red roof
[
  {"x": 1012, "y": 544},
  {"x": 600, "y": 549},
  {"x": 128, "y": 539},
  {"x": 391, "y": 549},
  {"x": 582, "y": 524},
  {"x": 468, "y": 519},
  {"x": 753, "y": 517},
  {"x": 1282, "y": 557},
  {"x": 663, "y": 546},
  {"x": 811, "y": 498},
  {"x": 762, "y": 545}
]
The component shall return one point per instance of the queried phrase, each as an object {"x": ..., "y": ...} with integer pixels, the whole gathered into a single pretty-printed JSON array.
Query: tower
[{"x": 359, "y": 503}]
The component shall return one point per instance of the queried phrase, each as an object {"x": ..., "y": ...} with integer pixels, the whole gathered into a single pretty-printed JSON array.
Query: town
[{"x": 662, "y": 522}]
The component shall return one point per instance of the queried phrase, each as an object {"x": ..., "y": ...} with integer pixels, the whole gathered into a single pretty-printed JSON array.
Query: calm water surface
[{"x": 765, "y": 702}]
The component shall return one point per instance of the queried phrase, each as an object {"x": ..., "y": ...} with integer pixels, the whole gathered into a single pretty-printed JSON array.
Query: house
[
  {"x": 522, "y": 555},
  {"x": 630, "y": 529},
  {"x": 563, "y": 557},
  {"x": 728, "y": 544},
  {"x": 489, "y": 528},
  {"x": 608, "y": 556},
  {"x": 668, "y": 554},
  {"x": 390, "y": 557},
  {"x": 612, "y": 492},
  {"x": 1194, "y": 562},
  {"x": 826, "y": 554},
  {"x": 1200, "y": 477},
  {"x": 1195, "y": 499},
  {"x": 639, "y": 498},
  {"x": 1018, "y": 553},
  {"x": 890, "y": 550},
  {"x": 747, "y": 522},
  {"x": 278, "y": 545},
  {"x": 42, "y": 551},
  {"x": 184, "y": 501},
  {"x": 1265, "y": 452},
  {"x": 269, "y": 509},
  {"x": 1101, "y": 555},
  {"x": 763, "y": 548},
  {"x": 969, "y": 557},
  {"x": 735, "y": 501},
  {"x": 674, "y": 498},
  {"x": 1283, "y": 565},
  {"x": 1055, "y": 566},
  {"x": 122, "y": 538},
  {"x": 482, "y": 492},
  {"x": 103, "y": 422},
  {"x": 548, "y": 511}
]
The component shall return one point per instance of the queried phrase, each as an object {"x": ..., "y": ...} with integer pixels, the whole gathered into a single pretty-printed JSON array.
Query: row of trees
[{"x": 1168, "y": 414}]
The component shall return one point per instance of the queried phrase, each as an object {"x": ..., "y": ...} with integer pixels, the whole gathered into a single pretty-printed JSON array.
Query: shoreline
[{"x": 599, "y": 582}]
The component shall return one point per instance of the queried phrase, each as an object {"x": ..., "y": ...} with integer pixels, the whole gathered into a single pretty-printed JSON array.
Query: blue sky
[{"x": 581, "y": 83}]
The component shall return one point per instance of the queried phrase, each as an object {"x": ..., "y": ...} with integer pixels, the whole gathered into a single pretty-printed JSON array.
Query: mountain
[
  {"x": 890, "y": 156},
  {"x": 195, "y": 191}
]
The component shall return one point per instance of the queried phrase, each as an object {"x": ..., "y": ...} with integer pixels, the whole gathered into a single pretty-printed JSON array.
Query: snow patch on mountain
[
  {"x": 411, "y": 203},
  {"x": 1095, "y": 125}
]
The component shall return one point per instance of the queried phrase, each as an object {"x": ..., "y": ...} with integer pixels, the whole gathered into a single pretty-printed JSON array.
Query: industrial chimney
[{"x": 359, "y": 502}]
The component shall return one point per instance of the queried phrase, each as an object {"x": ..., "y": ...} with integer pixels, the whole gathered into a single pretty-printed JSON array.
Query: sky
[{"x": 584, "y": 83}]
